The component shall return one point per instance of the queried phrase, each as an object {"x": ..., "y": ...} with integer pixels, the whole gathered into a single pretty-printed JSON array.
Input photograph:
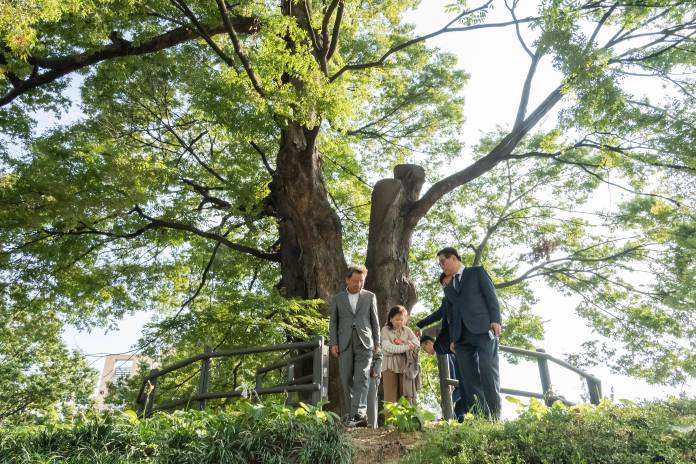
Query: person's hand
[
  {"x": 452, "y": 347},
  {"x": 397, "y": 341},
  {"x": 418, "y": 332},
  {"x": 496, "y": 328},
  {"x": 334, "y": 350},
  {"x": 375, "y": 349},
  {"x": 411, "y": 346}
]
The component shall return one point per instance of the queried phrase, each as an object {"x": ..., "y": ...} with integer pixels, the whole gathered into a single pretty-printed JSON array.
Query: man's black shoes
[{"x": 358, "y": 421}]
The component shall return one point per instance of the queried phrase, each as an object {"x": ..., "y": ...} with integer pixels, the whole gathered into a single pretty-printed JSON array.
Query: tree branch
[
  {"x": 312, "y": 33},
  {"x": 160, "y": 223},
  {"x": 205, "y": 193},
  {"x": 190, "y": 299},
  {"x": 416, "y": 40},
  {"x": 238, "y": 48},
  {"x": 511, "y": 9},
  {"x": 61, "y": 66},
  {"x": 346, "y": 170},
  {"x": 501, "y": 151},
  {"x": 201, "y": 32},
  {"x": 334, "y": 33},
  {"x": 270, "y": 170},
  {"x": 570, "y": 258},
  {"x": 601, "y": 22},
  {"x": 325, "y": 44},
  {"x": 527, "y": 88},
  {"x": 387, "y": 114},
  {"x": 163, "y": 224}
]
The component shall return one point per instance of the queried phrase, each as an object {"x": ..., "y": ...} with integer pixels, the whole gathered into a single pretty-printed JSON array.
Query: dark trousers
[
  {"x": 461, "y": 407},
  {"x": 477, "y": 359}
]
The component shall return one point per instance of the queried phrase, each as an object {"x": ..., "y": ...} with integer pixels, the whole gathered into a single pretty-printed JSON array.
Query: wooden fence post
[
  {"x": 150, "y": 397},
  {"x": 594, "y": 388},
  {"x": 545, "y": 376},
  {"x": 445, "y": 390},
  {"x": 318, "y": 371},
  {"x": 204, "y": 379}
]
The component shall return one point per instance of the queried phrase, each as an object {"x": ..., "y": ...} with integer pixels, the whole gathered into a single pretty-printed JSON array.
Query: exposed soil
[{"x": 382, "y": 445}]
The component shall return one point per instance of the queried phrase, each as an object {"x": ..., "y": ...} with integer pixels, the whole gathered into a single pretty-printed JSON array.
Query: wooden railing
[
  {"x": 594, "y": 385},
  {"x": 316, "y": 383}
]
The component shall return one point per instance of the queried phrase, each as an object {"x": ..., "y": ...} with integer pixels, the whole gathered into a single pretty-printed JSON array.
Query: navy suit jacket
[
  {"x": 442, "y": 341},
  {"x": 473, "y": 304}
]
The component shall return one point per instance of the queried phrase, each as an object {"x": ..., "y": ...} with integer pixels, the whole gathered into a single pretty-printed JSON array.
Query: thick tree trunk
[
  {"x": 389, "y": 241},
  {"x": 312, "y": 261}
]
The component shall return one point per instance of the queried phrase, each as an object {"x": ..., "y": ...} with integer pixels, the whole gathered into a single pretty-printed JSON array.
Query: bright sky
[{"x": 497, "y": 66}]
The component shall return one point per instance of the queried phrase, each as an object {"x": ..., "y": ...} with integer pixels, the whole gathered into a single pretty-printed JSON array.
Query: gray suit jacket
[{"x": 342, "y": 320}]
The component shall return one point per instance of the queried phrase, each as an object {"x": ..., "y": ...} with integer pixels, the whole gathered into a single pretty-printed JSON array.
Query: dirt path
[{"x": 382, "y": 445}]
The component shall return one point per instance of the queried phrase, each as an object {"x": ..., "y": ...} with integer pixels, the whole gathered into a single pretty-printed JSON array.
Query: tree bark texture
[
  {"x": 389, "y": 240},
  {"x": 312, "y": 261},
  {"x": 311, "y": 249}
]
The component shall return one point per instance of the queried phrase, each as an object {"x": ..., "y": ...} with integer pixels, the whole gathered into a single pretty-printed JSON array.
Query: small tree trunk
[{"x": 389, "y": 241}]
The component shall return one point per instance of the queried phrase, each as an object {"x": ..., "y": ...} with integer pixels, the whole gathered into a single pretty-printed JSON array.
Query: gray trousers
[{"x": 354, "y": 368}]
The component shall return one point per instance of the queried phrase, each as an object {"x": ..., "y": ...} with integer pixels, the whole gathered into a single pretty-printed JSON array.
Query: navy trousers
[{"x": 477, "y": 359}]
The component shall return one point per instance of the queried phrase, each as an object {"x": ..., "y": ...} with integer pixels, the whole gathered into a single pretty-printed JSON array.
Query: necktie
[{"x": 456, "y": 281}]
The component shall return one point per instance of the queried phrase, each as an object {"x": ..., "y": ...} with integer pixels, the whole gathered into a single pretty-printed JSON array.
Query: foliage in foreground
[
  {"x": 248, "y": 433},
  {"x": 627, "y": 434},
  {"x": 405, "y": 416}
]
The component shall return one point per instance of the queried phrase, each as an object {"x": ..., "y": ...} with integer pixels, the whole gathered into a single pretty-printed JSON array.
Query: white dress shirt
[
  {"x": 353, "y": 300},
  {"x": 457, "y": 279}
]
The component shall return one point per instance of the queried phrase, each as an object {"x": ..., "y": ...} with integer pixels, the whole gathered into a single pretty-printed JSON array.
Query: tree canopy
[{"x": 228, "y": 156}]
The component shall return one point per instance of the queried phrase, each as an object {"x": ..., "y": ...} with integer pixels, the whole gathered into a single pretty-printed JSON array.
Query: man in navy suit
[
  {"x": 441, "y": 345},
  {"x": 473, "y": 316}
]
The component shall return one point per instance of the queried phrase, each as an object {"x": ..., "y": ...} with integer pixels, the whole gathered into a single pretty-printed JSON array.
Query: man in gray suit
[
  {"x": 473, "y": 317},
  {"x": 354, "y": 337}
]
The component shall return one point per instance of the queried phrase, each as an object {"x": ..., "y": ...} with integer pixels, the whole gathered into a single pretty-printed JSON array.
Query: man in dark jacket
[
  {"x": 441, "y": 345},
  {"x": 473, "y": 316}
]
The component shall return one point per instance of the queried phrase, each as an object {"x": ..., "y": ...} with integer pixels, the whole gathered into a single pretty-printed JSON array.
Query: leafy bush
[
  {"x": 405, "y": 416},
  {"x": 608, "y": 434},
  {"x": 249, "y": 433}
]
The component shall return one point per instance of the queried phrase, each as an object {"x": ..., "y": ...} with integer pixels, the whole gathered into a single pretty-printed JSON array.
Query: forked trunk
[{"x": 389, "y": 241}]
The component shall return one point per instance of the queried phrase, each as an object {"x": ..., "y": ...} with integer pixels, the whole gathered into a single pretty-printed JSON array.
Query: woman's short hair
[{"x": 396, "y": 309}]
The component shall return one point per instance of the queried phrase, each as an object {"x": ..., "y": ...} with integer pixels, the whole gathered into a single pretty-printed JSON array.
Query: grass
[
  {"x": 247, "y": 433},
  {"x": 609, "y": 434},
  {"x": 628, "y": 433}
]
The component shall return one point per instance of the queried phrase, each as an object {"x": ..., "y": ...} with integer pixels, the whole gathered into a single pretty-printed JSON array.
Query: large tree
[{"x": 234, "y": 148}]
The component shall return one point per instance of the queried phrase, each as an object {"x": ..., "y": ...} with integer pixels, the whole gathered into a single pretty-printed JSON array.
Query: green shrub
[
  {"x": 248, "y": 433},
  {"x": 608, "y": 434},
  {"x": 405, "y": 416}
]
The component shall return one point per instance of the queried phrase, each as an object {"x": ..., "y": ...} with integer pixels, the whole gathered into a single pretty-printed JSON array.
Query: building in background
[{"x": 116, "y": 367}]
